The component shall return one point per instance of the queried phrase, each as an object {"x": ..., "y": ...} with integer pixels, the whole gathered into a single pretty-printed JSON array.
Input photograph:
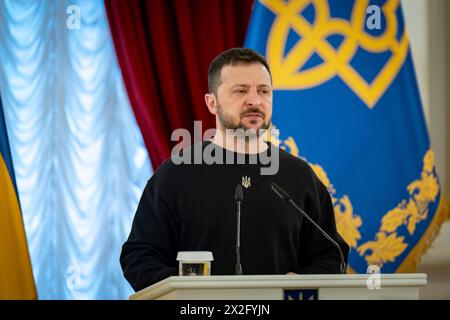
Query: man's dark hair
[{"x": 233, "y": 56}]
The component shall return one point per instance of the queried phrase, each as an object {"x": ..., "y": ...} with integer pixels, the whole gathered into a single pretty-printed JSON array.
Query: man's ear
[{"x": 211, "y": 103}]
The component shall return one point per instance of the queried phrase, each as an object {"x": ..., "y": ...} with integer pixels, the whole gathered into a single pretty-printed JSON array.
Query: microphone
[
  {"x": 239, "y": 197},
  {"x": 285, "y": 196}
]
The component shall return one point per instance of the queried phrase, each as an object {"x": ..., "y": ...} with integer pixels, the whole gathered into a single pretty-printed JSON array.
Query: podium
[{"x": 287, "y": 287}]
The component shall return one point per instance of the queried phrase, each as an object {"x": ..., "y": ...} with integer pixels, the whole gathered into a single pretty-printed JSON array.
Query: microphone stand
[
  {"x": 239, "y": 198},
  {"x": 285, "y": 196}
]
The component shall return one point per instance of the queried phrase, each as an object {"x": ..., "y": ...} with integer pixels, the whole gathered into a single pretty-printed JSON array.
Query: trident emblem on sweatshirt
[{"x": 246, "y": 182}]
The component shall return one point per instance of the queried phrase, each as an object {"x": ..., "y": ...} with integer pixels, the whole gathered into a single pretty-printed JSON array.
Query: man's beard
[{"x": 228, "y": 123}]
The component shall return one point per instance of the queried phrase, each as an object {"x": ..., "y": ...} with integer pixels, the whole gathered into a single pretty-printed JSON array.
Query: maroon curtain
[{"x": 164, "y": 48}]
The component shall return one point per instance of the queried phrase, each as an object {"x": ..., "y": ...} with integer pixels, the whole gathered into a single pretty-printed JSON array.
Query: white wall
[
  {"x": 429, "y": 31},
  {"x": 427, "y": 28}
]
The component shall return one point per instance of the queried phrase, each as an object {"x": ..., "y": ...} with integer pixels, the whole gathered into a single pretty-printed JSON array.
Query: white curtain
[{"x": 79, "y": 157}]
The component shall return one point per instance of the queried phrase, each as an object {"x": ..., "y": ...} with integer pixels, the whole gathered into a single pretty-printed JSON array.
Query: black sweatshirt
[{"x": 191, "y": 207}]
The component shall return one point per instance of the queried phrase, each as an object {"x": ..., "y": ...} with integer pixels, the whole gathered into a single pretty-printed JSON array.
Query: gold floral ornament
[
  {"x": 347, "y": 223},
  {"x": 385, "y": 248},
  {"x": 409, "y": 212}
]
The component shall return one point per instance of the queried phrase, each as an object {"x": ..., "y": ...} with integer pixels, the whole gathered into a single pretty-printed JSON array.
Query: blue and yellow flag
[
  {"x": 346, "y": 100},
  {"x": 16, "y": 277}
]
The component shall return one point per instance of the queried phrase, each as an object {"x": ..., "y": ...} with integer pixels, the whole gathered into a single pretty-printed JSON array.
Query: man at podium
[{"x": 189, "y": 204}]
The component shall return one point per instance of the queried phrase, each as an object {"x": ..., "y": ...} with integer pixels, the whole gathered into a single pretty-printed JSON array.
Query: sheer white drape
[{"x": 79, "y": 156}]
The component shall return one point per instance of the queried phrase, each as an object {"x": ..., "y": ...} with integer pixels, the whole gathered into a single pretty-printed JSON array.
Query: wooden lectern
[{"x": 286, "y": 287}]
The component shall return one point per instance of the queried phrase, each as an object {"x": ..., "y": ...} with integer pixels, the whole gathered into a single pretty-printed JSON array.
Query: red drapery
[{"x": 164, "y": 48}]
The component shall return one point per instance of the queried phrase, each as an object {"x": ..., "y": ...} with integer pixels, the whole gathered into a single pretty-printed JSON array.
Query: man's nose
[{"x": 253, "y": 99}]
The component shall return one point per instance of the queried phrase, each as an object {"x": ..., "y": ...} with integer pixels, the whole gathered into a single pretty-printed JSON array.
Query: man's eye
[{"x": 240, "y": 91}]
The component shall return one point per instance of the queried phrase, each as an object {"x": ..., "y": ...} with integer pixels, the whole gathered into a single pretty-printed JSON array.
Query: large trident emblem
[{"x": 336, "y": 62}]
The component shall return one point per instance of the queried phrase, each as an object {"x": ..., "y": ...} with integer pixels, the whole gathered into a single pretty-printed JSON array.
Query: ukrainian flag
[
  {"x": 346, "y": 100},
  {"x": 16, "y": 277}
]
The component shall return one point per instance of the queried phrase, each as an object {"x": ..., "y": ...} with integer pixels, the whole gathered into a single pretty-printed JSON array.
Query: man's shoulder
[
  {"x": 294, "y": 162},
  {"x": 300, "y": 170},
  {"x": 179, "y": 162}
]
